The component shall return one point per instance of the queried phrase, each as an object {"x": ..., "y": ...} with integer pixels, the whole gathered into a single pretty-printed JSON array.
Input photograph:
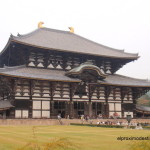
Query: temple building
[{"x": 49, "y": 72}]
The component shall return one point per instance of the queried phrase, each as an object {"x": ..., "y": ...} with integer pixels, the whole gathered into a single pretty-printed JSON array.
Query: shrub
[{"x": 99, "y": 125}]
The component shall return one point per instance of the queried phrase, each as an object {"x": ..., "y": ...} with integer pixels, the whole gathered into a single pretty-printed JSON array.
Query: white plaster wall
[
  {"x": 25, "y": 113},
  {"x": 17, "y": 113},
  {"x": 36, "y": 104},
  {"x": 45, "y": 104},
  {"x": 36, "y": 114},
  {"x": 46, "y": 114},
  {"x": 118, "y": 107},
  {"x": 111, "y": 106}
]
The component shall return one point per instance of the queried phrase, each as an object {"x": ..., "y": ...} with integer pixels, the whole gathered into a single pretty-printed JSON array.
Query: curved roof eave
[
  {"x": 35, "y": 73},
  {"x": 143, "y": 108},
  {"x": 6, "y": 46},
  {"x": 125, "y": 85},
  {"x": 120, "y": 80},
  {"x": 82, "y": 67},
  {"x": 32, "y": 78},
  {"x": 61, "y": 50}
]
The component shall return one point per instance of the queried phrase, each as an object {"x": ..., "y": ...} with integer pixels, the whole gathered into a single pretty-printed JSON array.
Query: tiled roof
[
  {"x": 121, "y": 80},
  {"x": 59, "y": 75},
  {"x": 35, "y": 73},
  {"x": 5, "y": 105},
  {"x": 143, "y": 108},
  {"x": 69, "y": 42}
]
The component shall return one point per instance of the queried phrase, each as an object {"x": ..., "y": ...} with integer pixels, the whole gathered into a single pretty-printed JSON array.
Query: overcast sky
[{"x": 121, "y": 24}]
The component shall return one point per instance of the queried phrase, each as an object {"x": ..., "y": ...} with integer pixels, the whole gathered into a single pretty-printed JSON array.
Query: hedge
[
  {"x": 146, "y": 127},
  {"x": 97, "y": 125}
]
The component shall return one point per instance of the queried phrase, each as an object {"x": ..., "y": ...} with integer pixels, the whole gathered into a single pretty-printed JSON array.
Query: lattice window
[
  {"x": 79, "y": 105},
  {"x": 59, "y": 105}
]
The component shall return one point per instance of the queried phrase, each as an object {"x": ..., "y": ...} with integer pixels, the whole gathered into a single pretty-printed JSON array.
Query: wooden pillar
[
  {"x": 46, "y": 58},
  {"x": 31, "y": 84},
  {"x": 13, "y": 90},
  {"x": 4, "y": 114},
  {"x": 122, "y": 98},
  {"x": 71, "y": 110},
  {"x": 107, "y": 93},
  {"x": 90, "y": 109},
  {"x": 107, "y": 110},
  {"x": 103, "y": 110},
  {"x": 134, "y": 96},
  {"x": 71, "y": 104},
  {"x": 52, "y": 109},
  {"x": 143, "y": 114},
  {"x": 90, "y": 103},
  {"x": 13, "y": 87},
  {"x": 51, "y": 100}
]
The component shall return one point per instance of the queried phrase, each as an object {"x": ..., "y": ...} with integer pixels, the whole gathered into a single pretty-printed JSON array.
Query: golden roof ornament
[
  {"x": 40, "y": 24},
  {"x": 71, "y": 29}
]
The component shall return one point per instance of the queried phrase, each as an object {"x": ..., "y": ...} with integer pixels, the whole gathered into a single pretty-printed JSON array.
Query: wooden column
[
  {"x": 51, "y": 100},
  {"x": 143, "y": 114},
  {"x": 31, "y": 84},
  {"x": 71, "y": 104},
  {"x": 103, "y": 109},
  {"x": 135, "y": 93},
  {"x": 46, "y": 58},
  {"x": 13, "y": 88},
  {"x": 107, "y": 93},
  {"x": 90, "y": 103},
  {"x": 90, "y": 109},
  {"x": 122, "y": 98}
]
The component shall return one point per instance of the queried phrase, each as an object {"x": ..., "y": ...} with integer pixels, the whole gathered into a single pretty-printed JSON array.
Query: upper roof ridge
[
  {"x": 72, "y": 34},
  {"x": 65, "y": 41},
  {"x": 38, "y": 30},
  {"x": 24, "y": 35}
]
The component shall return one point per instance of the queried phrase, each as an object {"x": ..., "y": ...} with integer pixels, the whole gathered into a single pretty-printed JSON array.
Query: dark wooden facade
[{"x": 46, "y": 99}]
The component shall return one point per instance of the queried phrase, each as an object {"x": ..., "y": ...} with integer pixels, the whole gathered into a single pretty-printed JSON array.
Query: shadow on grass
[{"x": 54, "y": 144}]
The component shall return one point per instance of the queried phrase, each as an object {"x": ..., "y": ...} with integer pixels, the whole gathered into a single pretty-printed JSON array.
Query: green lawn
[{"x": 82, "y": 138}]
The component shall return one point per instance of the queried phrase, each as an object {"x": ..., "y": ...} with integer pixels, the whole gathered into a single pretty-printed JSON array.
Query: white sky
[{"x": 121, "y": 24}]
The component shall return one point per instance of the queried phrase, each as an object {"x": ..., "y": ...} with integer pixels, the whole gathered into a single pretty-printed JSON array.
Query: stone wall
[{"x": 56, "y": 122}]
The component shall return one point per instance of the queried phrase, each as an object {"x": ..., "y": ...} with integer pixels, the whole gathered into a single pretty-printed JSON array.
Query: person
[
  {"x": 82, "y": 118},
  {"x": 68, "y": 117},
  {"x": 98, "y": 122},
  {"x": 59, "y": 118},
  {"x": 90, "y": 120},
  {"x": 87, "y": 118},
  {"x": 115, "y": 115},
  {"x": 100, "y": 116},
  {"x": 118, "y": 123}
]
